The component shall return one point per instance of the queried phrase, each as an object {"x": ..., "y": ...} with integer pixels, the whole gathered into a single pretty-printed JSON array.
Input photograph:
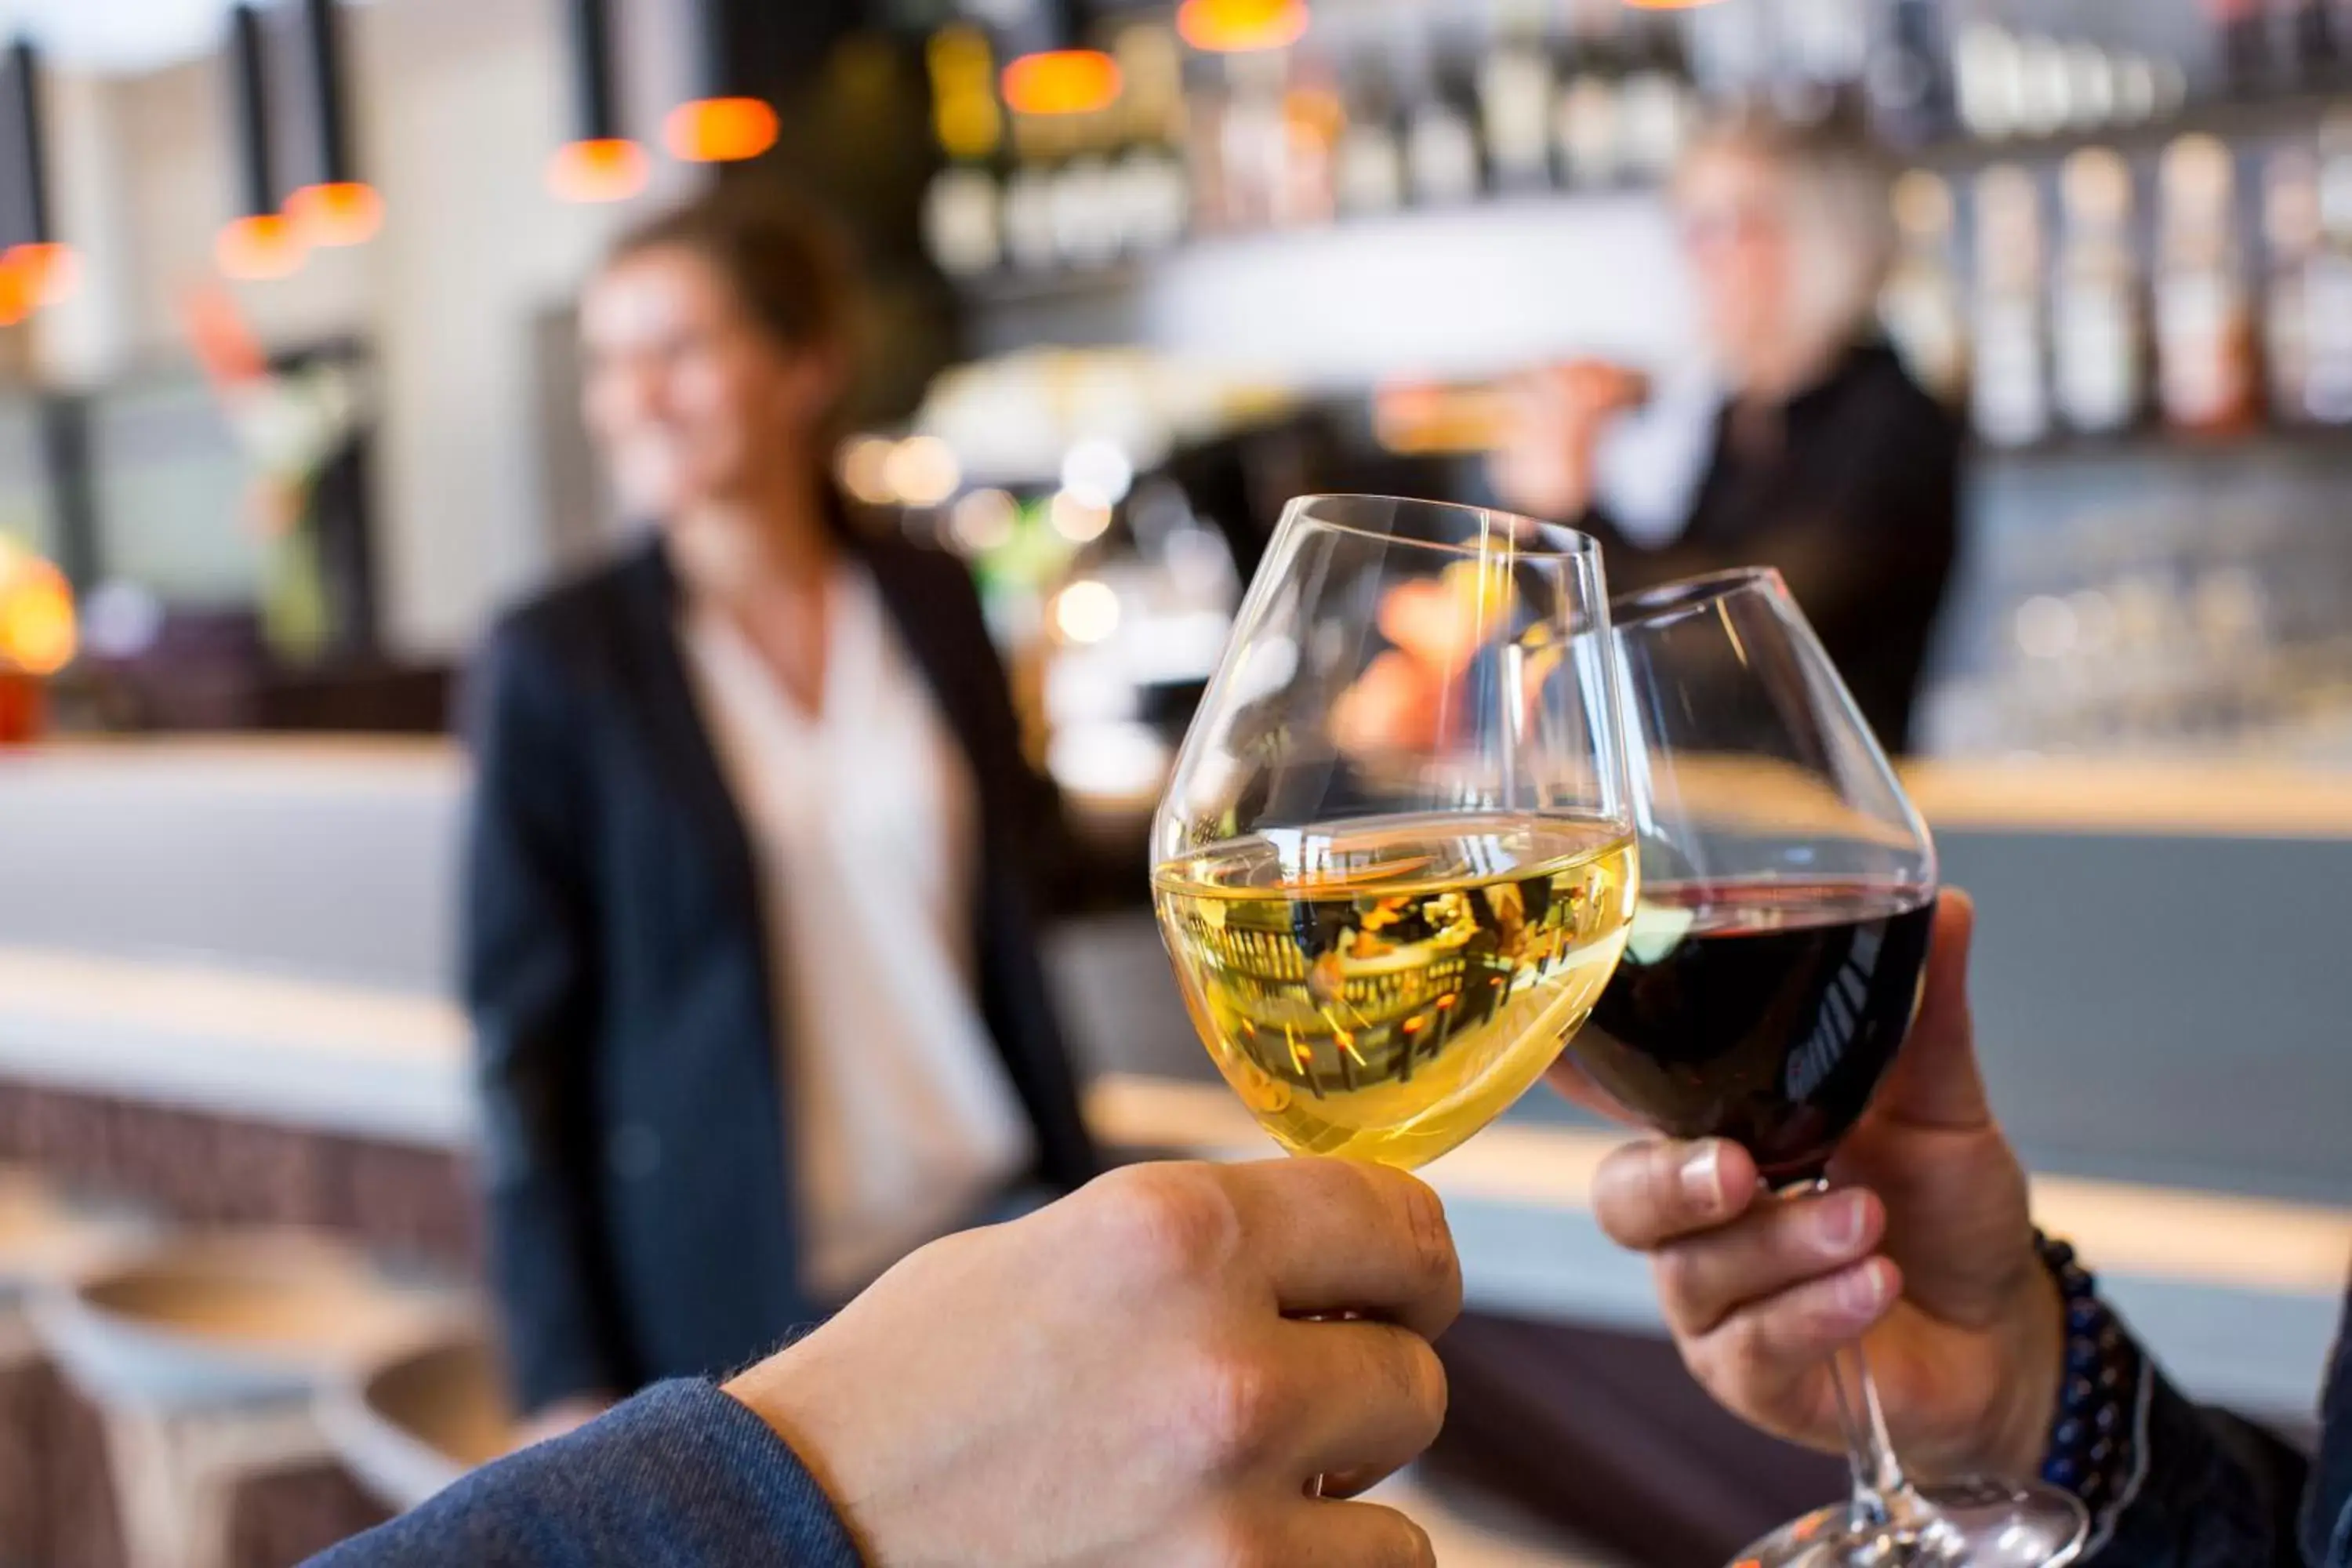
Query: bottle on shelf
[
  {"x": 1730, "y": 50},
  {"x": 1368, "y": 167},
  {"x": 1254, "y": 139},
  {"x": 2290, "y": 250},
  {"x": 2309, "y": 46},
  {"x": 1923, "y": 309},
  {"x": 1441, "y": 149},
  {"x": 2327, "y": 395},
  {"x": 1043, "y": 147},
  {"x": 1588, "y": 115},
  {"x": 962, "y": 212},
  {"x": 1824, "y": 47},
  {"x": 1314, "y": 119},
  {"x": 1988, "y": 79},
  {"x": 2242, "y": 37},
  {"x": 2045, "y": 100},
  {"x": 2008, "y": 396},
  {"x": 1906, "y": 83},
  {"x": 2090, "y": 86},
  {"x": 1085, "y": 202},
  {"x": 2204, "y": 312},
  {"x": 1515, "y": 94},
  {"x": 1657, "y": 109},
  {"x": 1151, "y": 186},
  {"x": 1206, "y": 103},
  {"x": 2097, "y": 342}
]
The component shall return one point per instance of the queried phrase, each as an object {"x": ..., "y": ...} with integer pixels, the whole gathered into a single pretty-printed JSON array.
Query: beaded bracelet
[{"x": 2092, "y": 1437}]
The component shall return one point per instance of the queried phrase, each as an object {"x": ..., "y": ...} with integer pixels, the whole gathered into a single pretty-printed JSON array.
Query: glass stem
[
  {"x": 1878, "y": 1478},
  {"x": 1883, "y": 1497}
]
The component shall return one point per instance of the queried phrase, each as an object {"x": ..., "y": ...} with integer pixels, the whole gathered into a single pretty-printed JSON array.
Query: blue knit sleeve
[{"x": 680, "y": 1476}]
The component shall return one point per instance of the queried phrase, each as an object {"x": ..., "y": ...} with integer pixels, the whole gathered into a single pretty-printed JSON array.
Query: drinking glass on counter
[
  {"x": 1774, "y": 966},
  {"x": 1395, "y": 865}
]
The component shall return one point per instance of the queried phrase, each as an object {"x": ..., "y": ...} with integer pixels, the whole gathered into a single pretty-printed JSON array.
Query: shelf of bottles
[
  {"x": 1375, "y": 109},
  {"x": 2204, "y": 289},
  {"x": 2121, "y": 216}
]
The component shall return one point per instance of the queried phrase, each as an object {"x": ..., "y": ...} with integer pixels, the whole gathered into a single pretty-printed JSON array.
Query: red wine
[{"x": 1765, "y": 1013}]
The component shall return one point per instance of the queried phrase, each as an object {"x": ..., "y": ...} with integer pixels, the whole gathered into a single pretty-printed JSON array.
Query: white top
[{"x": 862, "y": 821}]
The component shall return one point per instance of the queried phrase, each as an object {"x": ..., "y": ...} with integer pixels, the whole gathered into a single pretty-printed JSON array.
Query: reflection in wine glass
[{"x": 1394, "y": 865}]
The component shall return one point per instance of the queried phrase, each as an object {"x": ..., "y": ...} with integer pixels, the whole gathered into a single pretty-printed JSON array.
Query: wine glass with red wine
[{"x": 1775, "y": 961}]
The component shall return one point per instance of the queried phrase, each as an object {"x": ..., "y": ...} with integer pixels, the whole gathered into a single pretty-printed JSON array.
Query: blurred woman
[
  {"x": 749, "y": 947},
  {"x": 1828, "y": 461}
]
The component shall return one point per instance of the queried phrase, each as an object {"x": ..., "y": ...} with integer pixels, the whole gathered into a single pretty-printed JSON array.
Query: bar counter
[{"x": 256, "y": 934}]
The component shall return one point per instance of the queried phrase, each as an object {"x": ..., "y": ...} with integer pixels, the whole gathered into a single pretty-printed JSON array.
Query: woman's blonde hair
[{"x": 1839, "y": 220}]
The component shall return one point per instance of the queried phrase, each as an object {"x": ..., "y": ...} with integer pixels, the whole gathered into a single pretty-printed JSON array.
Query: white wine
[{"x": 1382, "y": 988}]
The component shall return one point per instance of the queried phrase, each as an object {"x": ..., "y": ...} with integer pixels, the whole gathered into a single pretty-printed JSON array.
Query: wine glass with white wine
[{"x": 1395, "y": 863}]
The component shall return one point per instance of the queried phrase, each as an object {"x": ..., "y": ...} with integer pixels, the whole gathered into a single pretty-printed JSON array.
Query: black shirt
[{"x": 1852, "y": 490}]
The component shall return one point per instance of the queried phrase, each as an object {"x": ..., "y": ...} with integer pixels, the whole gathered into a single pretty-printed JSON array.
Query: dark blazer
[
  {"x": 1852, "y": 490},
  {"x": 2215, "y": 1491},
  {"x": 680, "y": 1476},
  {"x": 617, "y": 969}
]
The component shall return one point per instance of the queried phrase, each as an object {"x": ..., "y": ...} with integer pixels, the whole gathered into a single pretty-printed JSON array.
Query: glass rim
[
  {"x": 1559, "y": 542},
  {"x": 1687, "y": 596}
]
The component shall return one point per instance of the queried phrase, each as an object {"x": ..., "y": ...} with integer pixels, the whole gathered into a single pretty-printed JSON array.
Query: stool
[
  {"x": 46, "y": 1239},
  {"x": 420, "y": 1418},
  {"x": 203, "y": 1358}
]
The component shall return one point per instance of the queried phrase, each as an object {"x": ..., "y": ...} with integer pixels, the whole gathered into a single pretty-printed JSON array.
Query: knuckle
[
  {"x": 1423, "y": 1384},
  {"x": 1813, "y": 1321},
  {"x": 1404, "y": 1545},
  {"x": 1678, "y": 1274},
  {"x": 1237, "y": 1538},
  {"x": 1624, "y": 1196},
  {"x": 1433, "y": 1261},
  {"x": 1230, "y": 1407},
  {"x": 1734, "y": 1355},
  {"x": 1411, "y": 1381},
  {"x": 1169, "y": 1222}
]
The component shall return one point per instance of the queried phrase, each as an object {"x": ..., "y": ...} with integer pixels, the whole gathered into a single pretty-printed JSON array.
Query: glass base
[{"x": 1963, "y": 1524}]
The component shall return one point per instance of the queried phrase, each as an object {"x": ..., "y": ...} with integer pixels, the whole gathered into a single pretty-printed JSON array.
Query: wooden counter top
[
  {"x": 2223, "y": 796},
  {"x": 2154, "y": 798}
]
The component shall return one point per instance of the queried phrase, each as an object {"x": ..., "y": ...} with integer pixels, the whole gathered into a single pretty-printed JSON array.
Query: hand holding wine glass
[
  {"x": 1925, "y": 1243},
  {"x": 1773, "y": 970},
  {"x": 1394, "y": 863}
]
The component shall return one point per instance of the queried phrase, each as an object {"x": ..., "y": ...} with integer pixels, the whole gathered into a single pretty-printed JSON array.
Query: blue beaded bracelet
[{"x": 2091, "y": 1436}]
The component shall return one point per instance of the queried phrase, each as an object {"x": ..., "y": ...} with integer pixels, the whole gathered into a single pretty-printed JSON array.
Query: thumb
[{"x": 1935, "y": 1081}]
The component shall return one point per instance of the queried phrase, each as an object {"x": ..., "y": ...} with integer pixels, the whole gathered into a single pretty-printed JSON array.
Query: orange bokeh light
[
  {"x": 720, "y": 129},
  {"x": 19, "y": 295},
  {"x": 51, "y": 270},
  {"x": 254, "y": 250},
  {"x": 36, "y": 614},
  {"x": 608, "y": 169},
  {"x": 1232, "y": 27},
  {"x": 1062, "y": 81},
  {"x": 344, "y": 213}
]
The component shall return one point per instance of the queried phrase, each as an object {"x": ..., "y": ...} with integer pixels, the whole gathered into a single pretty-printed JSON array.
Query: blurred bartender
[
  {"x": 749, "y": 950},
  {"x": 1828, "y": 461}
]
